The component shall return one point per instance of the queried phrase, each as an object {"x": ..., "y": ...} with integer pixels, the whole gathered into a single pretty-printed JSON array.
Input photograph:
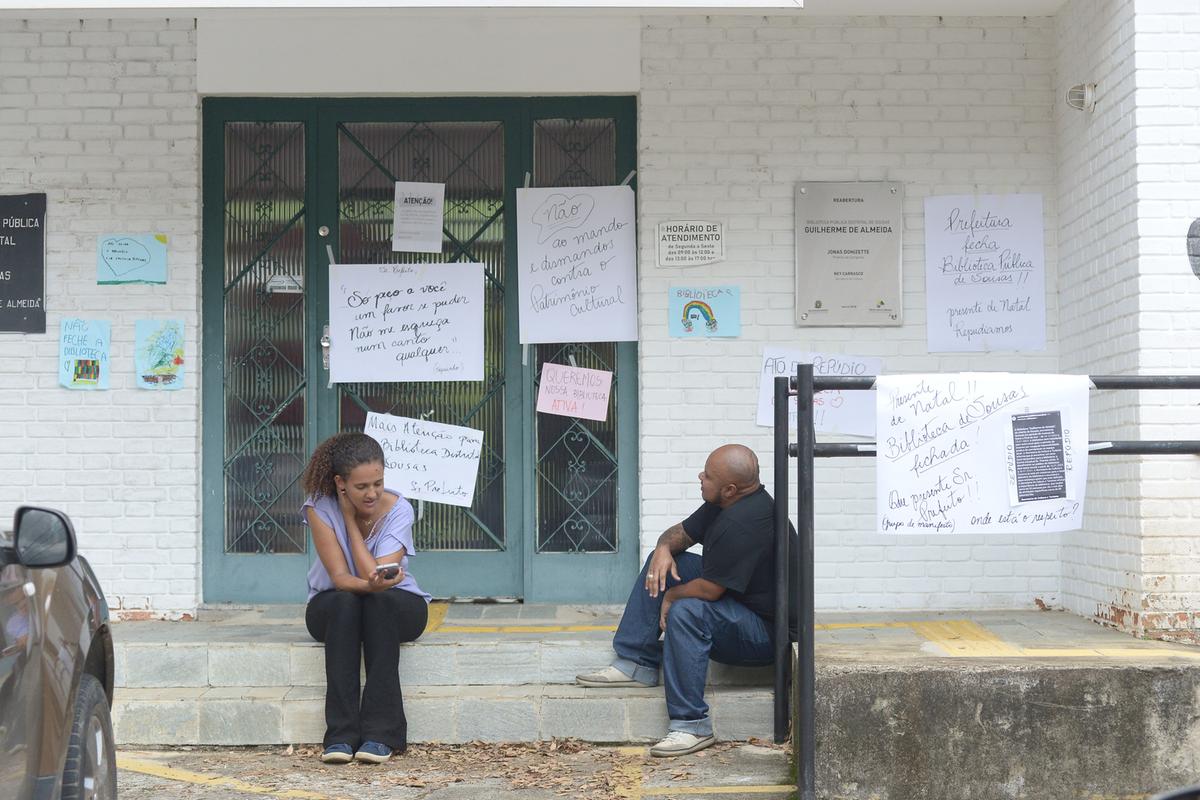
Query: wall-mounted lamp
[{"x": 1082, "y": 96}]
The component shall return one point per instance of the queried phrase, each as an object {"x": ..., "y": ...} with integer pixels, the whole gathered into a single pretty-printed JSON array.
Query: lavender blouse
[{"x": 395, "y": 532}]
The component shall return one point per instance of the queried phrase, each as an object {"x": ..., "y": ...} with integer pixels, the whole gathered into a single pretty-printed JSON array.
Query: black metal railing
[{"x": 805, "y": 449}]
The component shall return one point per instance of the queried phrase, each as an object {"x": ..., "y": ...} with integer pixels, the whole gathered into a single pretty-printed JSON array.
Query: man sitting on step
[{"x": 718, "y": 605}]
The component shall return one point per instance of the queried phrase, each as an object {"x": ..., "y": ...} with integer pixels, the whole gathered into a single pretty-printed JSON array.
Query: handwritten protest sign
[
  {"x": 981, "y": 453},
  {"x": 574, "y": 391},
  {"x": 427, "y": 460},
  {"x": 83, "y": 353},
  {"x": 837, "y": 411},
  {"x": 577, "y": 254},
  {"x": 405, "y": 322},
  {"x": 140, "y": 258},
  {"x": 985, "y": 273}
]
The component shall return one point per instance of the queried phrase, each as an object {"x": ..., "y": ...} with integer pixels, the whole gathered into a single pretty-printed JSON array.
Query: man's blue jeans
[{"x": 697, "y": 630}]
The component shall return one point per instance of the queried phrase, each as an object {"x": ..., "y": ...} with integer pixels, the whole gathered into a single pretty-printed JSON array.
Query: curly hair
[{"x": 338, "y": 455}]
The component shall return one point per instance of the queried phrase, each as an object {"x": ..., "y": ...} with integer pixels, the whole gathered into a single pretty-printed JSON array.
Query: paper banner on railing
[{"x": 981, "y": 453}]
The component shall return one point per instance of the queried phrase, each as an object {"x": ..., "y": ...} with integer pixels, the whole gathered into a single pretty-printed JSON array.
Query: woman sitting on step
[{"x": 361, "y": 598}]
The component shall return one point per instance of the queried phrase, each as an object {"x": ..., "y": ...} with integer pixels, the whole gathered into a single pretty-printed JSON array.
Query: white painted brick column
[{"x": 102, "y": 115}]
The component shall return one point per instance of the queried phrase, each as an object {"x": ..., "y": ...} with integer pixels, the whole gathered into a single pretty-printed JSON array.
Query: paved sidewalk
[{"x": 545, "y": 771}]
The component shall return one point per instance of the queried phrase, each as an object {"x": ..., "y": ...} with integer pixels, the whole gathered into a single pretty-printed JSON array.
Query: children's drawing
[
  {"x": 158, "y": 354},
  {"x": 703, "y": 311},
  {"x": 131, "y": 259},
  {"x": 696, "y": 311}
]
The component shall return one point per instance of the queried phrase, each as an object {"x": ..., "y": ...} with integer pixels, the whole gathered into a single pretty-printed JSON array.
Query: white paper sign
[
  {"x": 417, "y": 220},
  {"x": 578, "y": 270},
  {"x": 946, "y": 452},
  {"x": 985, "y": 273},
  {"x": 405, "y": 322},
  {"x": 690, "y": 243},
  {"x": 836, "y": 411},
  {"x": 427, "y": 460}
]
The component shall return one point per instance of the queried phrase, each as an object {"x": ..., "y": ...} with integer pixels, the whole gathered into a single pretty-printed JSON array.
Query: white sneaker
[
  {"x": 680, "y": 743},
  {"x": 607, "y": 677}
]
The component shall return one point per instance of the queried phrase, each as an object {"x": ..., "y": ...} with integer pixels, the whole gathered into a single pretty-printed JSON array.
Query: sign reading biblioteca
[{"x": 23, "y": 263}]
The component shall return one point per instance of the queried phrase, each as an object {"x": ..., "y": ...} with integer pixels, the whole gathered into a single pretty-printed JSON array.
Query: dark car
[{"x": 56, "y": 666}]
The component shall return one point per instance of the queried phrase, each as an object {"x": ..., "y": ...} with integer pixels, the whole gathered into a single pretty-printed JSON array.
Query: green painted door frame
[{"x": 519, "y": 570}]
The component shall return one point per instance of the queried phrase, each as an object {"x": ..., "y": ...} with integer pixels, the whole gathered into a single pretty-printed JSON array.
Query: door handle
[{"x": 325, "y": 347}]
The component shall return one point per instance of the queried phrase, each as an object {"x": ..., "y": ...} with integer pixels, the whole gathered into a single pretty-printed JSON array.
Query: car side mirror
[
  {"x": 1190, "y": 793},
  {"x": 43, "y": 537}
]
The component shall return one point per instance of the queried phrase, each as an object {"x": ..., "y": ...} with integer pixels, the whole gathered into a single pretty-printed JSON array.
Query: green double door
[{"x": 287, "y": 184}]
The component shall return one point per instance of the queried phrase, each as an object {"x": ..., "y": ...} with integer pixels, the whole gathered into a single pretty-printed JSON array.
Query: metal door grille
[
  {"x": 264, "y": 381},
  {"x": 469, "y": 158},
  {"x": 576, "y": 480}
]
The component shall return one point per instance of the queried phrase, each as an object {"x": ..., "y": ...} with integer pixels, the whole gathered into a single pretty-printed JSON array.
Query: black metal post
[
  {"x": 806, "y": 691},
  {"x": 783, "y": 644}
]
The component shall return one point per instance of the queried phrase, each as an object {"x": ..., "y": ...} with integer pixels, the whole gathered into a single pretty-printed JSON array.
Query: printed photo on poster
[
  {"x": 702, "y": 312},
  {"x": 84, "y": 346},
  {"x": 1037, "y": 462},
  {"x": 158, "y": 354},
  {"x": 131, "y": 259}
]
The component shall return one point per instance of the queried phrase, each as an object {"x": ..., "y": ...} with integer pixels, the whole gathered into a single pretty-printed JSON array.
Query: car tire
[{"x": 91, "y": 768}]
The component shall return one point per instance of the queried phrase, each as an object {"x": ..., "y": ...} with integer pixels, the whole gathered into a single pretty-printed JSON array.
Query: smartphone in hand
[{"x": 387, "y": 571}]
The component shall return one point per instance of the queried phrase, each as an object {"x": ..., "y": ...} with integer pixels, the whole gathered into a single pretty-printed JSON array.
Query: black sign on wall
[{"x": 23, "y": 263}]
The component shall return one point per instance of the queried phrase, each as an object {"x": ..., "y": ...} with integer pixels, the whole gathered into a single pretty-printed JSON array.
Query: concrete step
[
  {"x": 501, "y": 673},
  {"x": 477, "y": 661},
  {"x": 295, "y": 714}
]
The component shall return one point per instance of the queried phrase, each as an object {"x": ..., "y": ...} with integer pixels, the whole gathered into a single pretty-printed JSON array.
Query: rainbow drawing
[{"x": 704, "y": 310}]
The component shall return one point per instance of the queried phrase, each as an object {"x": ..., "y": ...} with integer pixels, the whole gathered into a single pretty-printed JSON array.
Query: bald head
[{"x": 730, "y": 473}]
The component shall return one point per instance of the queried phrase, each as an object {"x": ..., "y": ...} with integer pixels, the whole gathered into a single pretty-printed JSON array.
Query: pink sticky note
[{"x": 574, "y": 392}]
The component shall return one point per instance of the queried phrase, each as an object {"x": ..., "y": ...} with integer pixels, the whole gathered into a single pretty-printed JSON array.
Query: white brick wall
[
  {"x": 102, "y": 116},
  {"x": 736, "y": 110},
  {"x": 1167, "y": 110},
  {"x": 1098, "y": 290}
]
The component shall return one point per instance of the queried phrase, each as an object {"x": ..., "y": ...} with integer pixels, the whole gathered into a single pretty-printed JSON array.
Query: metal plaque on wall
[
  {"x": 23, "y": 263},
  {"x": 848, "y": 253}
]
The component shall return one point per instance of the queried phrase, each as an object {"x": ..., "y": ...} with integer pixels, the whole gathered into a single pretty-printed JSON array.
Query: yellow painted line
[
  {"x": 961, "y": 638},
  {"x": 524, "y": 628},
  {"x": 437, "y": 615},
  {"x": 1143, "y": 652},
  {"x": 840, "y": 626},
  {"x": 205, "y": 779},
  {"x": 649, "y": 791}
]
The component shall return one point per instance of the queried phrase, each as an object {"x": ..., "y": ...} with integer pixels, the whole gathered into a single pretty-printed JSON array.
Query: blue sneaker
[
  {"x": 373, "y": 753},
  {"x": 338, "y": 754}
]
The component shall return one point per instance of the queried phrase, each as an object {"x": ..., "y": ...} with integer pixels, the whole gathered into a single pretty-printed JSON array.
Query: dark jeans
[
  {"x": 697, "y": 630},
  {"x": 372, "y": 625}
]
